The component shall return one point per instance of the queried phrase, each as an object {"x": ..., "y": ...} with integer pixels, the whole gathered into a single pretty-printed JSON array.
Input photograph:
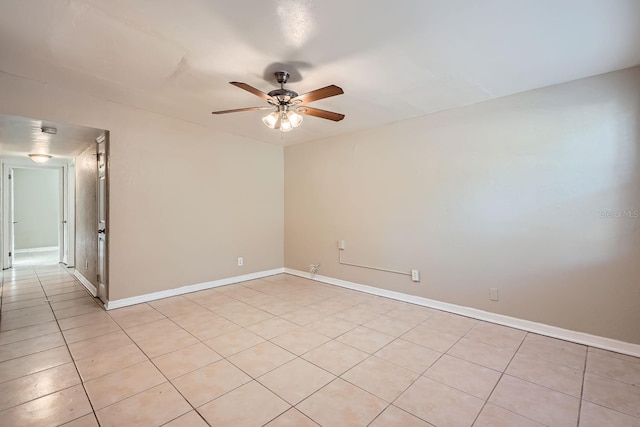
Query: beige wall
[
  {"x": 185, "y": 201},
  {"x": 86, "y": 168},
  {"x": 36, "y": 207},
  {"x": 512, "y": 193}
]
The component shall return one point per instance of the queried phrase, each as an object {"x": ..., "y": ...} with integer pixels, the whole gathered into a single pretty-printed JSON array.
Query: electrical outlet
[
  {"x": 86, "y": 264},
  {"x": 240, "y": 261},
  {"x": 493, "y": 294},
  {"x": 415, "y": 275}
]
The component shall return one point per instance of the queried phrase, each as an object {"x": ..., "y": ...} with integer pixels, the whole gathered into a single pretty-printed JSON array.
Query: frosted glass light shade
[
  {"x": 271, "y": 120},
  {"x": 40, "y": 158}
]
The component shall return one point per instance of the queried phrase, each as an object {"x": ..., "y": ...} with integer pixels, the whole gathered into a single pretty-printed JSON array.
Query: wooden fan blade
[
  {"x": 252, "y": 90},
  {"x": 238, "y": 110},
  {"x": 317, "y": 94},
  {"x": 323, "y": 114}
]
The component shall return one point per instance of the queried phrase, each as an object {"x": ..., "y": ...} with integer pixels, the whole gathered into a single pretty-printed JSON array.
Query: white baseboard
[
  {"x": 46, "y": 249},
  {"x": 526, "y": 325},
  {"x": 86, "y": 283},
  {"x": 124, "y": 302}
]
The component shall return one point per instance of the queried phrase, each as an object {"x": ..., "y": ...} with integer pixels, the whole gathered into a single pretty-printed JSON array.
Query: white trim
[
  {"x": 514, "y": 322},
  {"x": 86, "y": 283},
  {"x": 110, "y": 305},
  {"x": 46, "y": 249}
]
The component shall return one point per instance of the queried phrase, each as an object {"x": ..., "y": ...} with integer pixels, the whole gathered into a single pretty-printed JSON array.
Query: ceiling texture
[{"x": 394, "y": 59}]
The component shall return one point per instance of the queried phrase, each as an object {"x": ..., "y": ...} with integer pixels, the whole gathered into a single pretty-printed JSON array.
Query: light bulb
[
  {"x": 294, "y": 118},
  {"x": 271, "y": 120}
]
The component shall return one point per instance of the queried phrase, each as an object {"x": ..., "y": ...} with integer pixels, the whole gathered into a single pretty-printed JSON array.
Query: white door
[{"x": 102, "y": 220}]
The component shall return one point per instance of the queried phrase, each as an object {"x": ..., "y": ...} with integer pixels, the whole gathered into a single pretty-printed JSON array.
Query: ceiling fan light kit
[{"x": 286, "y": 105}]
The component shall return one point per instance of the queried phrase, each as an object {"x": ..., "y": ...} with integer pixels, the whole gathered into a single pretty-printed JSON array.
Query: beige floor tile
[
  {"x": 86, "y": 421},
  {"x": 450, "y": 323},
  {"x": 614, "y": 368},
  {"x": 431, "y": 338},
  {"x": 247, "y": 317},
  {"x": 211, "y": 329},
  {"x": 335, "y": 357},
  {"x": 153, "y": 407},
  {"x": 109, "y": 361},
  {"x": 495, "y": 416},
  {"x": 151, "y": 329},
  {"x": 51, "y": 410},
  {"x": 78, "y": 310},
  {"x": 395, "y": 417},
  {"x": 389, "y": 325},
  {"x": 30, "y": 346},
  {"x": 234, "y": 342},
  {"x": 77, "y": 302},
  {"x": 554, "y": 351},
  {"x": 119, "y": 385},
  {"x": 592, "y": 415},
  {"x": 24, "y": 389},
  {"x": 381, "y": 378},
  {"x": 21, "y": 322},
  {"x": 260, "y": 359},
  {"x": 557, "y": 377},
  {"x": 378, "y": 304},
  {"x": 329, "y": 306},
  {"x": 91, "y": 319},
  {"x": 231, "y": 409},
  {"x": 614, "y": 354},
  {"x": 174, "y": 306},
  {"x": 28, "y": 332},
  {"x": 526, "y": 399},
  {"x": 166, "y": 342},
  {"x": 483, "y": 354},
  {"x": 272, "y": 327},
  {"x": 496, "y": 335},
  {"x": 445, "y": 406},
  {"x": 300, "y": 341},
  {"x": 365, "y": 339},
  {"x": 342, "y": 404},
  {"x": 413, "y": 314},
  {"x": 89, "y": 331},
  {"x": 135, "y": 315},
  {"x": 210, "y": 382},
  {"x": 303, "y": 316},
  {"x": 68, "y": 296},
  {"x": 278, "y": 308},
  {"x": 98, "y": 345},
  {"x": 190, "y": 419},
  {"x": 332, "y": 326},
  {"x": 468, "y": 377},
  {"x": 26, "y": 365},
  {"x": 185, "y": 360},
  {"x": 612, "y": 394},
  {"x": 292, "y": 418},
  {"x": 357, "y": 315},
  {"x": 295, "y": 380},
  {"x": 409, "y": 355},
  {"x": 9, "y": 306},
  {"x": 195, "y": 318}
]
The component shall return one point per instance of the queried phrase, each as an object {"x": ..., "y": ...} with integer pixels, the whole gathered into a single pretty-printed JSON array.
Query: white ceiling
[
  {"x": 20, "y": 136},
  {"x": 394, "y": 59}
]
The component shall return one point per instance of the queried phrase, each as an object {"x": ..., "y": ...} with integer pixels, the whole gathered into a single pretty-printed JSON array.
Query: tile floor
[{"x": 285, "y": 351}]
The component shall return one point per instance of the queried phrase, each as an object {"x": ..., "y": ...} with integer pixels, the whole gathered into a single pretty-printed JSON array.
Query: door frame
[{"x": 66, "y": 208}]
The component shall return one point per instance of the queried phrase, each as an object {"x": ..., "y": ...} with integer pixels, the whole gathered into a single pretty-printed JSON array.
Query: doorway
[{"x": 37, "y": 216}]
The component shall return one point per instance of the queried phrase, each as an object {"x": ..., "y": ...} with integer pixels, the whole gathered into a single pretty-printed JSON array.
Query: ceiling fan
[{"x": 287, "y": 105}]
